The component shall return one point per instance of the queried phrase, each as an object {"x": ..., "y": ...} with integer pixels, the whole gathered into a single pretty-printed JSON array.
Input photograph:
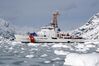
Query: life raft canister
[{"x": 32, "y": 38}]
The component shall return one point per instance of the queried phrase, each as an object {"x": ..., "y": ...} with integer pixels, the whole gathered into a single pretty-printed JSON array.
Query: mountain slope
[
  {"x": 6, "y": 31},
  {"x": 90, "y": 30}
]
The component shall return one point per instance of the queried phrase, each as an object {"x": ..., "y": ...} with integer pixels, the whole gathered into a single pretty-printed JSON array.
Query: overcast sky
[{"x": 36, "y": 13}]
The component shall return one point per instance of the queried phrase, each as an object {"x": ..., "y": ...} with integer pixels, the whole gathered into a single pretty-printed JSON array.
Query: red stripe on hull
[{"x": 32, "y": 38}]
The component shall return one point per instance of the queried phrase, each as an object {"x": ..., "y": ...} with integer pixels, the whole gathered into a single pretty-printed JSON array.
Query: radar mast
[{"x": 55, "y": 19}]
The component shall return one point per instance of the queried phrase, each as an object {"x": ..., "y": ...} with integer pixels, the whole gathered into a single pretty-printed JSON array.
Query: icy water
[{"x": 42, "y": 54}]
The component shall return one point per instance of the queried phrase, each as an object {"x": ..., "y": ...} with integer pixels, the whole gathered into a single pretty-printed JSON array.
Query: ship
[{"x": 50, "y": 34}]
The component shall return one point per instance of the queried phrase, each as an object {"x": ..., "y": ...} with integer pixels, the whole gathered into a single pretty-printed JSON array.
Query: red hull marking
[{"x": 32, "y": 38}]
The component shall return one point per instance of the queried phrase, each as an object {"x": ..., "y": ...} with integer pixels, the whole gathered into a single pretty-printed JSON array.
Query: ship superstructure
[{"x": 52, "y": 33}]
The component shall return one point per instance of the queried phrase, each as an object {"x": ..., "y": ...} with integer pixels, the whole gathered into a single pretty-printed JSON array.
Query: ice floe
[
  {"x": 61, "y": 52},
  {"x": 74, "y": 59},
  {"x": 29, "y": 56}
]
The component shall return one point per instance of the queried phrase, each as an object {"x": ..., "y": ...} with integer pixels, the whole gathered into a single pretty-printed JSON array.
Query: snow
[
  {"x": 95, "y": 42},
  {"x": 56, "y": 59},
  {"x": 74, "y": 59},
  {"x": 15, "y": 43},
  {"x": 97, "y": 50},
  {"x": 6, "y": 31},
  {"x": 57, "y": 52},
  {"x": 90, "y": 45},
  {"x": 47, "y": 61},
  {"x": 59, "y": 45},
  {"x": 77, "y": 54},
  {"x": 90, "y": 30},
  {"x": 29, "y": 56},
  {"x": 44, "y": 55}
]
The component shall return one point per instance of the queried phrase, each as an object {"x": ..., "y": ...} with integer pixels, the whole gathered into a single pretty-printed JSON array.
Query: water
[{"x": 41, "y": 54}]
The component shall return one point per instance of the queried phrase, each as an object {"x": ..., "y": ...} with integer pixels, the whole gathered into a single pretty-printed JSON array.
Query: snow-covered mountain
[
  {"x": 6, "y": 31},
  {"x": 90, "y": 30}
]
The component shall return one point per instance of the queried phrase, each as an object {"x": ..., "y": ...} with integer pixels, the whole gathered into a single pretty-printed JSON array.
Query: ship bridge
[{"x": 47, "y": 31}]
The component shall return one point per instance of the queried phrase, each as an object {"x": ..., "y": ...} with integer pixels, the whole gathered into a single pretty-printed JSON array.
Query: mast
[{"x": 55, "y": 19}]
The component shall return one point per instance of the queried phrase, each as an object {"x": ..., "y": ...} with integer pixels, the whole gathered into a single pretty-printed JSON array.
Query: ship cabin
[{"x": 47, "y": 31}]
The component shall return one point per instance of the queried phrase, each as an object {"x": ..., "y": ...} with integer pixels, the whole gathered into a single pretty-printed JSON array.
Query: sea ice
[
  {"x": 61, "y": 52},
  {"x": 74, "y": 59},
  {"x": 60, "y": 46},
  {"x": 56, "y": 59},
  {"x": 29, "y": 56},
  {"x": 44, "y": 55},
  {"x": 47, "y": 62},
  {"x": 90, "y": 45},
  {"x": 97, "y": 50}
]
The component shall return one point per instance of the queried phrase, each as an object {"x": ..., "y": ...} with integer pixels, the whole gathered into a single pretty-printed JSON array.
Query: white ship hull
[
  {"x": 50, "y": 40},
  {"x": 25, "y": 39}
]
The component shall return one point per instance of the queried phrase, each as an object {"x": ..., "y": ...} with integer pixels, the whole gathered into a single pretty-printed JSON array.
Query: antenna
[{"x": 55, "y": 19}]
